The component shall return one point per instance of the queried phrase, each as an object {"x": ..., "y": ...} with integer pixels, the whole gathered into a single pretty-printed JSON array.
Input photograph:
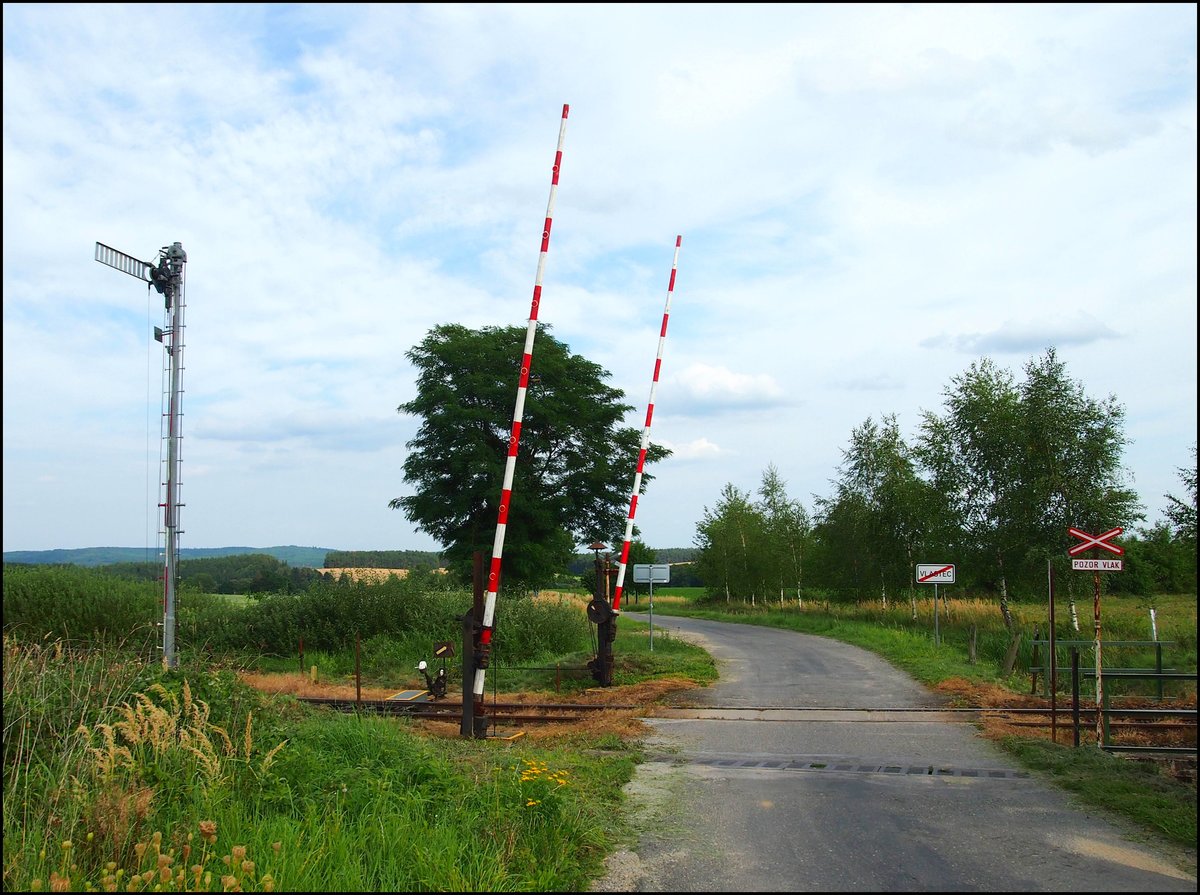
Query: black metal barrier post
[
  {"x": 474, "y": 716},
  {"x": 467, "y": 727},
  {"x": 600, "y": 613}
]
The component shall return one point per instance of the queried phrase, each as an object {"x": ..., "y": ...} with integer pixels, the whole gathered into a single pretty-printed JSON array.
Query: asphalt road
[{"x": 735, "y": 799}]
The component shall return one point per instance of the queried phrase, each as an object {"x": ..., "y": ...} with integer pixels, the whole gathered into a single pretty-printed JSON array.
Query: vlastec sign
[{"x": 936, "y": 573}]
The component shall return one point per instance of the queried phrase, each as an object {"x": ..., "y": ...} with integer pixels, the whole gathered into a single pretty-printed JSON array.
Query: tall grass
[
  {"x": 396, "y": 622},
  {"x": 122, "y": 775},
  {"x": 186, "y": 780},
  {"x": 78, "y": 605},
  {"x": 934, "y": 648}
]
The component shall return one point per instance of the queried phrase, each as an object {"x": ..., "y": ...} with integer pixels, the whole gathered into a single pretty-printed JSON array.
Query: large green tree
[
  {"x": 732, "y": 540},
  {"x": 787, "y": 530},
  {"x": 575, "y": 462},
  {"x": 1019, "y": 464},
  {"x": 882, "y": 515},
  {"x": 1181, "y": 514}
]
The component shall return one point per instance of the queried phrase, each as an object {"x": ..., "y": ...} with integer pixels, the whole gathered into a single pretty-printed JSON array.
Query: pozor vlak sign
[{"x": 1096, "y": 542}]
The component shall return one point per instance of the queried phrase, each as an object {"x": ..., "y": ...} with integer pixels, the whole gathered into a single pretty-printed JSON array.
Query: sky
[{"x": 870, "y": 198}]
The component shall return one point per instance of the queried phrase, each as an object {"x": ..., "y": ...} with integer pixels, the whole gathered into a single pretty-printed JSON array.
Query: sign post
[
  {"x": 935, "y": 574},
  {"x": 1053, "y": 659},
  {"x": 648, "y": 573},
  {"x": 1096, "y": 566}
]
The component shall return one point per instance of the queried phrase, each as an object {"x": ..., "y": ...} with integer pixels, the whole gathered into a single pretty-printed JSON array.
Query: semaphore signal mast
[{"x": 166, "y": 276}]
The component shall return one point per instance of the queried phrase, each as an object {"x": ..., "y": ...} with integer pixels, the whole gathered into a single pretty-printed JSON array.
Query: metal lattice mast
[
  {"x": 493, "y": 580},
  {"x": 641, "y": 461},
  {"x": 167, "y": 276},
  {"x": 176, "y": 304}
]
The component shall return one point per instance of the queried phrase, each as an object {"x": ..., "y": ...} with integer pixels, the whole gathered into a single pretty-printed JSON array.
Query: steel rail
[{"x": 454, "y": 705}]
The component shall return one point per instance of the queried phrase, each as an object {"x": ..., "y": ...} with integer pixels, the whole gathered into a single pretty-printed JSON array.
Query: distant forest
[
  {"x": 251, "y": 570},
  {"x": 242, "y": 573},
  {"x": 311, "y": 557},
  {"x": 681, "y": 559},
  {"x": 382, "y": 559}
]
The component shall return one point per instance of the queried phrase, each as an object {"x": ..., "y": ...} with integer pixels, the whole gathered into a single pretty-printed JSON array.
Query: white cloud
[
  {"x": 867, "y": 196},
  {"x": 702, "y": 389},
  {"x": 699, "y": 449}
]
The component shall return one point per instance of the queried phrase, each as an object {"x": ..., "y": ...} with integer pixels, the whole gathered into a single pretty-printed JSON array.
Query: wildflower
[
  {"x": 276, "y": 846},
  {"x": 208, "y": 829}
]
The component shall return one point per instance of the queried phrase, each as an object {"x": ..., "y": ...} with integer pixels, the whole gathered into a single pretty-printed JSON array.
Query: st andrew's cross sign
[{"x": 1101, "y": 542}]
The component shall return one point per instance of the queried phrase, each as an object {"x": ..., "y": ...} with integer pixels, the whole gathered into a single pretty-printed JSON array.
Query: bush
[{"x": 76, "y": 604}]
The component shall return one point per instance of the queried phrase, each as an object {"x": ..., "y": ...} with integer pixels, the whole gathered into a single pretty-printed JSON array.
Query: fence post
[
  {"x": 1104, "y": 710},
  {"x": 302, "y": 655},
  {"x": 1075, "y": 692},
  {"x": 1033, "y": 664},
  {"x": 357, "y": 671},
  {"x": 1158, "y": 667}
]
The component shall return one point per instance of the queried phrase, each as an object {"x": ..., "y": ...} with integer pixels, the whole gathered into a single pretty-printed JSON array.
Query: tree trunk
[
  {"x": 1004, "y": 610},
  {"x": 1010, "y": 656}
]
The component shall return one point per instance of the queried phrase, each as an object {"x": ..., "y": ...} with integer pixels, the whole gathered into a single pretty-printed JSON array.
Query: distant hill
[{"x": 296, "y": 557}]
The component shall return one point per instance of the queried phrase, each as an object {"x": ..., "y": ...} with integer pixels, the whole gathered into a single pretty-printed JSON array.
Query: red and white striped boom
[
  {"x": 641, "y": 460},
  {"x": 493, "y": 581}
]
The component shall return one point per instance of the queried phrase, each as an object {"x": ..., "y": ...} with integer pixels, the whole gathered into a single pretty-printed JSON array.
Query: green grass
[
  {"x": 1134, "y": 790},
  {"x": 319, "y": 801}
]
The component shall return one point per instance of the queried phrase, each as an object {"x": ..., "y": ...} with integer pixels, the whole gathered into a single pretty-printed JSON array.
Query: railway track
[{"x": 1150, "y": 720}]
